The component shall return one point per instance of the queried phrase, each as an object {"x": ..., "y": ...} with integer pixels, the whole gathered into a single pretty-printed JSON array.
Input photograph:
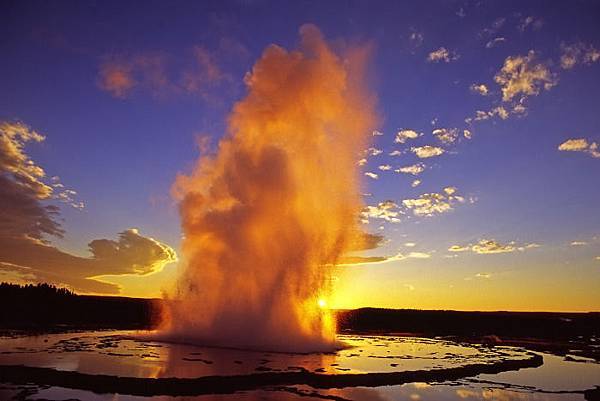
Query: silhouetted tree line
[
  {"x": 44, "y": 306},
  {"x": 543, "y": 325}
]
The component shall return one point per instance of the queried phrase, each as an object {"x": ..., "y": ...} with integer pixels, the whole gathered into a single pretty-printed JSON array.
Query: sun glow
[{"x": 322, "y": 303}]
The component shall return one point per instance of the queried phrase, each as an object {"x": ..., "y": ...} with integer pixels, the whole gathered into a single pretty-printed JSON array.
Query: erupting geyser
[{"x": 267, "y": 216}]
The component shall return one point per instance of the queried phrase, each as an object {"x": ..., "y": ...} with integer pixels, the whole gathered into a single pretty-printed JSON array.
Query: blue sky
[{"x": 122, "y": 93}]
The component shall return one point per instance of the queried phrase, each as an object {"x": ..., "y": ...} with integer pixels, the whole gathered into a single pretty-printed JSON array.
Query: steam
[{"x": 267, "y": 217}]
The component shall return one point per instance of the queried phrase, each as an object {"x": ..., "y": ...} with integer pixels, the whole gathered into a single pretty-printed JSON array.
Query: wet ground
[{"x": 131, "y": 366}]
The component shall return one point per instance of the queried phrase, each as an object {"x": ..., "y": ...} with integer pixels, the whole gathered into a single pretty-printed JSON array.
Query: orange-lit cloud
[{"x": 199, "y": 72}]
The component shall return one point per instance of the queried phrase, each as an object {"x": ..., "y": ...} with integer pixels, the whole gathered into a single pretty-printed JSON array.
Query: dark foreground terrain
[{"x": 44, "y": 308}]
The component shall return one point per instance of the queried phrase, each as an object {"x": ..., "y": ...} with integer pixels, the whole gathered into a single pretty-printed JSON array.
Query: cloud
[
  {"x": 131, "y": 253},
  {"x": 530, "y": 22},
  {"x": 580, "y": 145},
  {"x": 491, "y": 246},
  {"x": 419, "y": 255},
  {"x": 24, "y": 188},
  {"x": 578, "y": 53},
  {"x": 494, "y": 42},
  {"x": 28, "y": 220},
  {"x": 414, "y": 169},
  {"x": 374, "y": 151},
  {"x": 372, "y": 175},
  {"x": 395, "y": 153},
  {"x": 120, "y": 75},
  {"x": 385, "y": 167},
  {"x": 446, "y": 135},
  {"x": 523, "y": 76},
  {"x": 403, "y": 135},
  {"x": 578, "y": 243},
  {"x": 467, "y": 134},
  {"x": 377, "y": 133},
  {"x": 480, "y": 89},
  {"x": 410, "y": 244},
  {"x": 427, "y": 151},
  {"x": 429, "y": 204},
  {"x": 459, "y": 248},
  {"x": 204, "y": 73},
  {"x": 442, "y": 55},
  {"x": 198, "y": 72},
  {"x": 372, "y": 260},
  {"x": 386, "y": 210},
  {"x": 497, "y": 24},
  {"x": 415, "y": 183}
]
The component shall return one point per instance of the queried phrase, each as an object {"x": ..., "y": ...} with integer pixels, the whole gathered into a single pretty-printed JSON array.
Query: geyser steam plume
[{"x": 267, "y": 216}]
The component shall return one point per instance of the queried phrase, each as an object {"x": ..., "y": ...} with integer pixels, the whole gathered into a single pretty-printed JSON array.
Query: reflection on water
[{"x": 134, "y": 354}]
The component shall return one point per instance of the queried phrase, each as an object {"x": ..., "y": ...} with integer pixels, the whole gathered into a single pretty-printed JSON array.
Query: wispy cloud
[
  {"x": 495, "y": 42},
  {"x": 491, "y": 246},
  {"x": 530, "y": 22},
  {"x": 523, "y": 76},
  {"x": 578, "y": 53}
]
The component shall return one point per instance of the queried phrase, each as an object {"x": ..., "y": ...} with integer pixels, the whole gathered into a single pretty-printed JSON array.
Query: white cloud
[
  {"x": 395, "y": 153},
  {"x": 385, "y": 167},
  {"x": 442, "y": 54},
  {"x": 374, "y": 151},
  {"x": 387, "y": 210},
  {"x": 377, "y": 133},
  {"x": 371, "y": 175},
  {"x": 491, "y": 246},
  {"x": 430, "y": 204},
  {"x": 446, "y": 135},
  {"x": 419, "y": 255},
  {"x": 578, "y": 243},
  {"x": 415, "y": 183},
  {"x": 362, "y": 162},
  {"x": 427, "y": 151},
  {"x": 580, "y": 145},
  {"x": 414, "y": 169},
  {"x": 481, "y": 89},
  {"x": 403, "y": 135}
]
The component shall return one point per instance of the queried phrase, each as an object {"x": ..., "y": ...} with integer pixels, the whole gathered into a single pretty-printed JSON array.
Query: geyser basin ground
[{"x": 84, "y": 365}]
